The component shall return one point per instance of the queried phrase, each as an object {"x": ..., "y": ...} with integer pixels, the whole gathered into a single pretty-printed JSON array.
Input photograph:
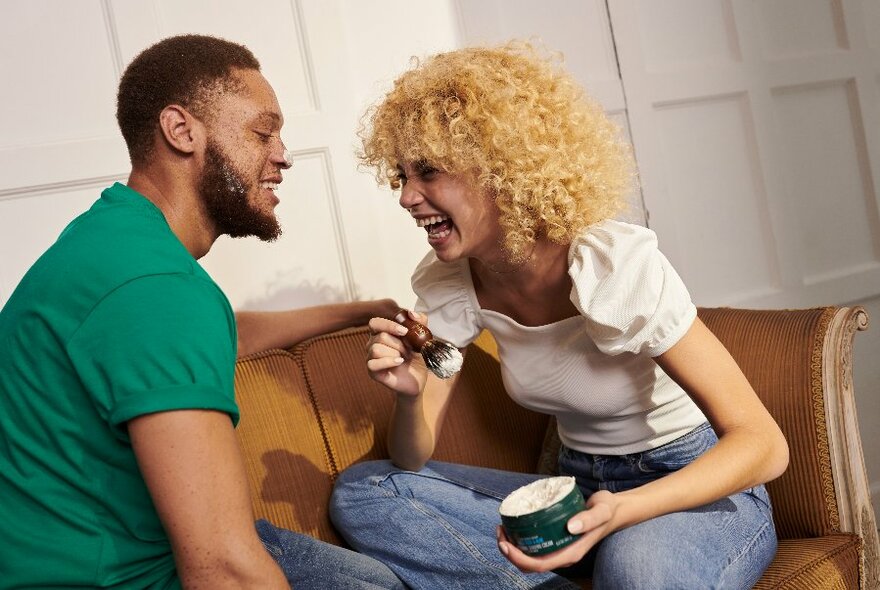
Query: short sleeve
[
  {"x": 158, "y": 343},
  {"x": 629, "y": 294},
  {"x": 443, "y": 295}
]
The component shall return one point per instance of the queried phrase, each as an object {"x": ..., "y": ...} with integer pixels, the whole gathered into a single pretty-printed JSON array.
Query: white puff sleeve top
[
  {"x": 631, "y": 298},
  {"x": 594, "y": 371}
]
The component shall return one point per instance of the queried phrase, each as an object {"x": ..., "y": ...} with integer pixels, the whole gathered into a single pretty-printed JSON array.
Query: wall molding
[
  {"x": 323, "y": 154},
  {"x": 302, "y": 39},
  {"x": 113, "y": 37},
  {"x": 39, "y": 190}
]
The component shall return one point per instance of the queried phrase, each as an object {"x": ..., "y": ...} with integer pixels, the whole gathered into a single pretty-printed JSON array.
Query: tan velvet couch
[{"x": 310, "y": 412}]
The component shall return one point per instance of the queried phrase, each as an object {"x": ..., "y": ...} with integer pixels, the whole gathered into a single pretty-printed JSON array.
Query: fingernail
[
  {"x": 503, "y": 547},
  {"x": 398, "y": 360},
  {"x": 401, "y": 330},
  {"x": 575, "y": 526}
]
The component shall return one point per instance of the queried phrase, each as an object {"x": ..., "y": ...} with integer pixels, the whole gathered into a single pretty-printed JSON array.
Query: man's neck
[{"x": 181, "y": 206}]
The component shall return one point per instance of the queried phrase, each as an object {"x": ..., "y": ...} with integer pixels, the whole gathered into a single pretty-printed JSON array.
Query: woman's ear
[{"x": 179, "y": 128}]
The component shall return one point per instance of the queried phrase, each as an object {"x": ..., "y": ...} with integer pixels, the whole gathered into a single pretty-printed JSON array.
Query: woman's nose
[{"x": 409, "y": 196}]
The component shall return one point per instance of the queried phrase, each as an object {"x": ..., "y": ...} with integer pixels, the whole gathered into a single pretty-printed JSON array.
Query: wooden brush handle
[{"x": 417, "y": 334}]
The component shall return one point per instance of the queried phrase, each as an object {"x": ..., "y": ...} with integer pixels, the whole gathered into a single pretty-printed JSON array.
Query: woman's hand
[
  {"x": 384, "y": 308},
  {"x": 595, "y": 523},
  {"x": 390, "y": 361}
]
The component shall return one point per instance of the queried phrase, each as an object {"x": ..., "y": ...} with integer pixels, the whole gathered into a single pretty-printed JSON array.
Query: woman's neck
[{"x": 534, "y": 292}]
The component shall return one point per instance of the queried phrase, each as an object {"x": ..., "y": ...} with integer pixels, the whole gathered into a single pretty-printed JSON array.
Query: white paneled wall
[{"x": 760, "y": 121}]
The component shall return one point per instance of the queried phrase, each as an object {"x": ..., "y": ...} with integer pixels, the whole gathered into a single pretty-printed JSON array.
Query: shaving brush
[{"x": 442, "y": 357}]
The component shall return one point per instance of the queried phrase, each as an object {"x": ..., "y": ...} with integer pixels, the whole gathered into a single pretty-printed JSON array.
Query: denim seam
[
  {"x": 462, "y": 484},
  {"x": 467, "y": 545},
  {"x": 276, "y": 551},
  {"x": 462, "y": 540},
  {"x": 762, "y": 532}
]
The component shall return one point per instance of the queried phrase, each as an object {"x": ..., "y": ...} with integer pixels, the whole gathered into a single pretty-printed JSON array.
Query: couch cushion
[
  {"x": 825, "y": 563},
  {"x": 483, "y": 426},
  {"x": 288, "y": 467}
]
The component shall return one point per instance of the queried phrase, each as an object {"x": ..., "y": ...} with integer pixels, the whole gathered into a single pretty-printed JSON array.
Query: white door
[{"x": 757, "y": 131}]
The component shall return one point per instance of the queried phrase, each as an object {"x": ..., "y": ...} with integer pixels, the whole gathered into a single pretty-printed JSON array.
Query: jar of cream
[{"x": 534, "y": 516}]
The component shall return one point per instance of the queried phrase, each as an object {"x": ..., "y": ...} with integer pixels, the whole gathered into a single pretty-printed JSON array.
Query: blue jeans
[
  {"x": 436, "y": 527},
  {"x": 311, "y": 564}
]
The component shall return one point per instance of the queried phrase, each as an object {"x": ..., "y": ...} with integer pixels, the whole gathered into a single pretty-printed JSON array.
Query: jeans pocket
[{"x": 760, "y": 495}]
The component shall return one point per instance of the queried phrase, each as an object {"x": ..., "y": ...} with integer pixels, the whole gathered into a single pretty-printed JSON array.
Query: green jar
[{"x": 534, "y": 516}]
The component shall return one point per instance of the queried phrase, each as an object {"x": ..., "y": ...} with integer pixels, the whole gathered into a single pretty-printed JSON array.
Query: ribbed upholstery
[
  {"x": 355, "y": 410},
  {"x": 284, "y": 450},
  {"x": 825, "y": 563},
  {"x": 786, "y": 372},
  {"x": 311, "y": 412}
]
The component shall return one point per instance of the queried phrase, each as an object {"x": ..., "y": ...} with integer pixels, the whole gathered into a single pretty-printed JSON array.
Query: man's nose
[
  {"x": 281, "y": 156},
  {"x": 287, "y": 155}
]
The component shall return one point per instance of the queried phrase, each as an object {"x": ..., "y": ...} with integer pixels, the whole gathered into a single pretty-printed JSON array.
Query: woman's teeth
[
  {"x": 436, "y": 226},
  {"x": 431, "y": 220}
]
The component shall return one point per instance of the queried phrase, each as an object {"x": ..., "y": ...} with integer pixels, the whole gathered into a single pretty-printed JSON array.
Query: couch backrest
[
  {"x": 781, "y": 352},
  {"x": 311, "y": 412},
  {"x": 283, "y": 445}
]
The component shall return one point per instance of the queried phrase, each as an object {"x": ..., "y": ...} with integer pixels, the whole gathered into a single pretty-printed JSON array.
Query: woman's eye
[{"x": 427, "y": 172}]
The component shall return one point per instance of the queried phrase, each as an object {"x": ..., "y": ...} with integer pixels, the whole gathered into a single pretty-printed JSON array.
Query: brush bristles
[{"x": 443, "y": 358}]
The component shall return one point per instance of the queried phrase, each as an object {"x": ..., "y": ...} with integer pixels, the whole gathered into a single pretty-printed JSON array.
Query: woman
[{"x": 516, "y": 175}]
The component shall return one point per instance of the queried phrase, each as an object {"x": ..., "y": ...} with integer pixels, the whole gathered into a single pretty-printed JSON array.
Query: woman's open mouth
[{"x": 437, "y": 226}]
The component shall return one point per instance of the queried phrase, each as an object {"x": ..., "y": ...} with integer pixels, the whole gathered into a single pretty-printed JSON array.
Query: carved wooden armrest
[{"x": 844, "y": 444}]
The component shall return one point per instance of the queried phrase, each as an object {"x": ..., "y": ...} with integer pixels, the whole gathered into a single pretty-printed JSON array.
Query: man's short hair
[{"x": 187, "y": 70}]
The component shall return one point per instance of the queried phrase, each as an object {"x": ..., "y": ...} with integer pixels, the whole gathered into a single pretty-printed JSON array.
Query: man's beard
[{"x": 225, "y": 194}]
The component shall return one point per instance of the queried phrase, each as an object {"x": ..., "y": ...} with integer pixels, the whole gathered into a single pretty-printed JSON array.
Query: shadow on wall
[{"x": 280, "y": 295}]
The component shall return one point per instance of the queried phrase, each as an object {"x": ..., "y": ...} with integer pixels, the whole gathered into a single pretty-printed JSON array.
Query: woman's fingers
[
  {"x": 383, "y": 344},
  {"x": 380, "y": 325},
  {"x": 384, "y": 363},
  {"x": 567, "y": 556}
]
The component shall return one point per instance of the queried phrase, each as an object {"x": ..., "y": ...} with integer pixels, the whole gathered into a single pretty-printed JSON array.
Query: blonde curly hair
[{"x": 545, "y": 150}]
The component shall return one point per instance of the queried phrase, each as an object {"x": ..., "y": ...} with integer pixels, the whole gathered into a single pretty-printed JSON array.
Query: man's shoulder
[{"x": 102, "y": 250}]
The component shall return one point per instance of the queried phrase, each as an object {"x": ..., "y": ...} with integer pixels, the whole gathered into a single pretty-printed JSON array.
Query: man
[{"x": 118, "y": 460}]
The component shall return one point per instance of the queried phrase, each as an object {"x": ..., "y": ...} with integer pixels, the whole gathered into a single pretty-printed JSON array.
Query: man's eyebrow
[{"x": 269, "y": 117}]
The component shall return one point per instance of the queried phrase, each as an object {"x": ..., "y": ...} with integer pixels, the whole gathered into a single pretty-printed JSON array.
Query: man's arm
[
  {"x": 262, "y": 330},
  {"x": 193, "y": 468}
]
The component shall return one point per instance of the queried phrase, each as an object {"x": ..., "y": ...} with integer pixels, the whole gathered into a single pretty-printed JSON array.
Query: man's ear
[{"x": 179, "y": 128}]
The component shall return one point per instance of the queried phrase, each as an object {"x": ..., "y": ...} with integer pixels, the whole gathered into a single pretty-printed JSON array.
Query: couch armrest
[
  {"x": 844, "y": 443},
  {"x": 800, "y": 364}
]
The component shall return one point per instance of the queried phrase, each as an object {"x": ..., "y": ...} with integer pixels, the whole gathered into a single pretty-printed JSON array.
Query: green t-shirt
[{"x": 114, "y": 321}]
